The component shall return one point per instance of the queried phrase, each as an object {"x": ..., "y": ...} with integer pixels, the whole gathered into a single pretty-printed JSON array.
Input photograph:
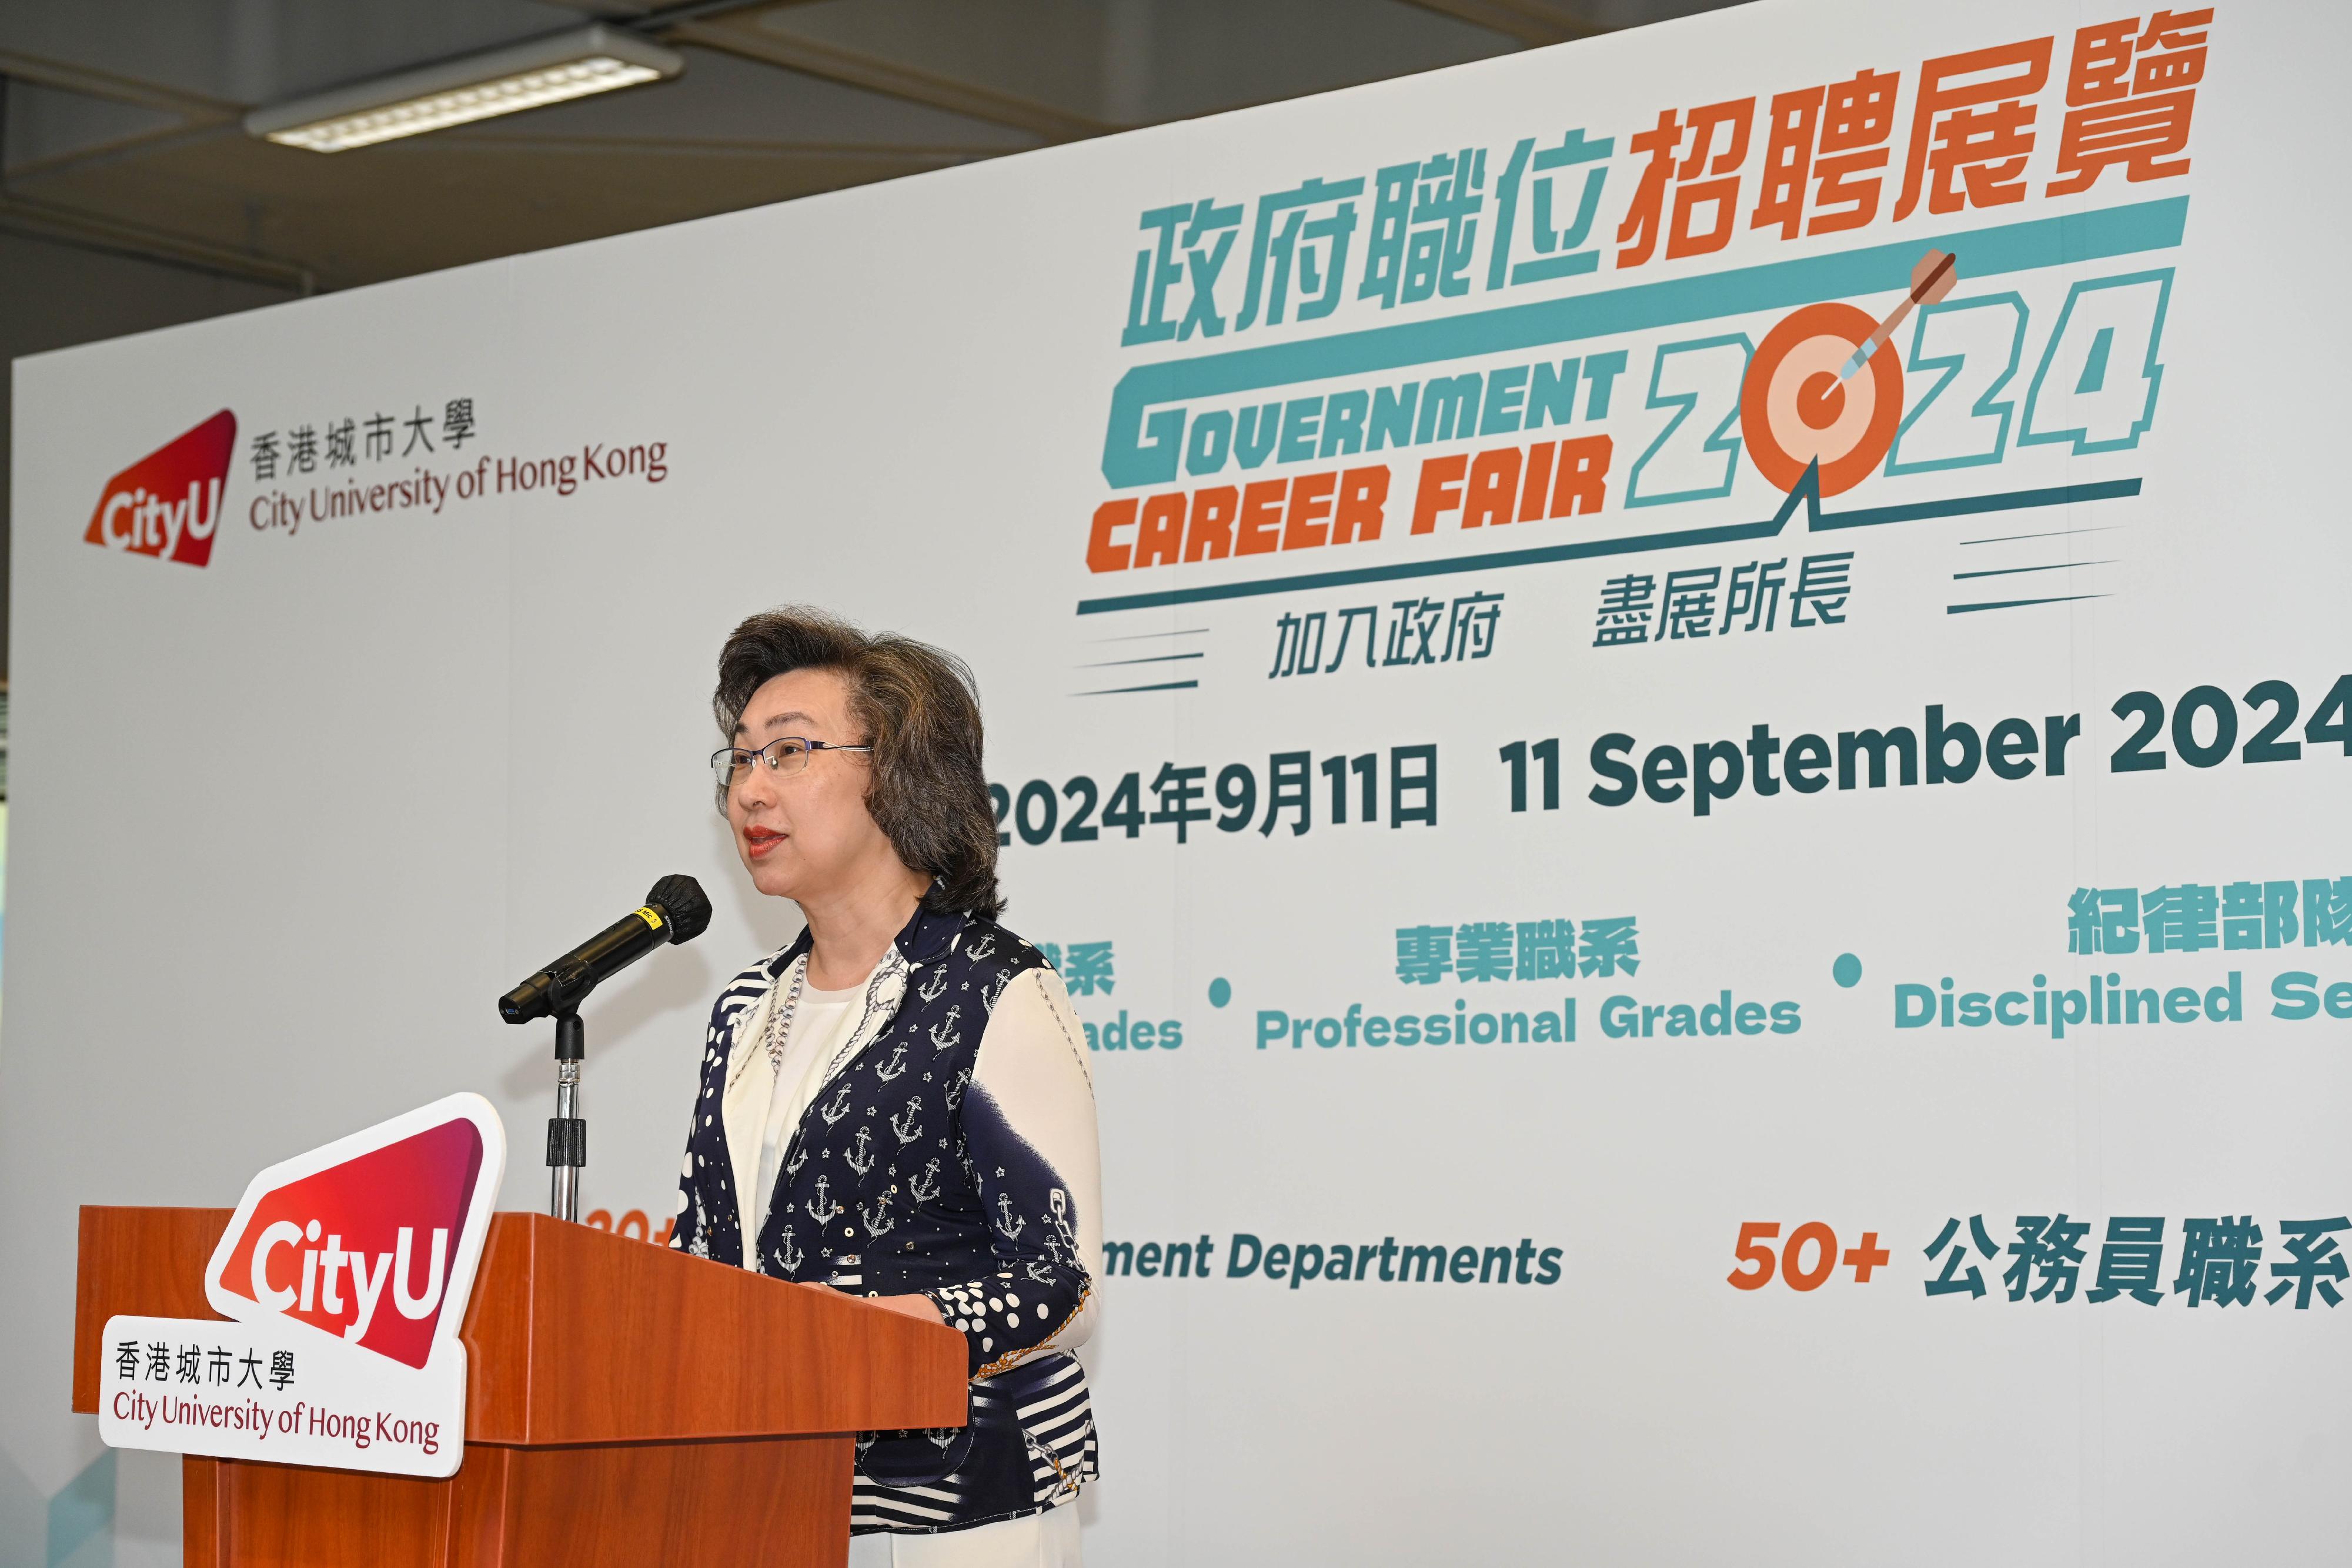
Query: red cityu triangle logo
[
  {"x": 371, "y": 1248},
  {"x": 168, "y": 504}
]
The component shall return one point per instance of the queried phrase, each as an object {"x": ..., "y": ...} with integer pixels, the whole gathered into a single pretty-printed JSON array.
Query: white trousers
[{"x": 1047, "y": 1540}]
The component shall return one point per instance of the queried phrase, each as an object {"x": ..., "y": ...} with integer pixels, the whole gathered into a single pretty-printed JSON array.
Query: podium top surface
[{"x": 574, "y": 1335}]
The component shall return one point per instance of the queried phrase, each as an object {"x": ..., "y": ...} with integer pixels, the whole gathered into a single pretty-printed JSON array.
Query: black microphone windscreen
[{"x": 683, "y": 905}]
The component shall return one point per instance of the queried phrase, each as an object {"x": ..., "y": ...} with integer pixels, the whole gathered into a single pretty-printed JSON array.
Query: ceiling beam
[
  {"x": 1531, "y": 22},
  {"x": 887, "y": 77},
  {"x": 68, "y": 225},
  {"x": 194, "y": 108},
  {"x": 649, "y": 16},
  {"x": 914, "y": 157},
  {"x": 201, "y": 117}
]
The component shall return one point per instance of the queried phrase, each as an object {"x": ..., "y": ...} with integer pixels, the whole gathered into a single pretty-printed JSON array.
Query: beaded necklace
[{"x": 779, "y": 1019}]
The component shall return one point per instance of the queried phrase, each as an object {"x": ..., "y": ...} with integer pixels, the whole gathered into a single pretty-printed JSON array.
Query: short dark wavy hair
[{"x": 919, "y": 708}]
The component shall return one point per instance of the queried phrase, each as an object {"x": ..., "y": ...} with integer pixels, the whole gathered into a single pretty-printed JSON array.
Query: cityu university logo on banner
[
  {"x": 345, "y": 1274},
  {"x": 168, "y": 504}
]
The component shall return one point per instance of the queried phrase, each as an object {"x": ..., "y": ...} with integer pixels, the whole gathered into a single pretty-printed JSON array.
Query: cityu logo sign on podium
[
  {"x": 168, "y": 504},
  {"x": 344, "y": 1274},
  {"x": 363, "y": 1245}
]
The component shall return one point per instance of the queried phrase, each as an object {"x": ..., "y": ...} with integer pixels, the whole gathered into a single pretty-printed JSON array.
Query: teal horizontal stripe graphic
[
  {"x": 1154, "y": 659},
  {"x": 1139, "y": 451},
  {"x": 2018, "y": 603},
  {"x": 1498, "y": 560},
  {"x": 2021, "y": 570},
  {"x": 1122, "y": 691},
  {"x": 1968, "y": 505}
]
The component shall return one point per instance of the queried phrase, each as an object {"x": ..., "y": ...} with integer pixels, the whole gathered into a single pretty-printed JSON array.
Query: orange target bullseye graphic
[{"x": 1795, "y": 409}]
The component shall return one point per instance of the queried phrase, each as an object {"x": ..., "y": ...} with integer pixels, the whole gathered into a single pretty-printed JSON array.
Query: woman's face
[{"x": 807, "y": 835}]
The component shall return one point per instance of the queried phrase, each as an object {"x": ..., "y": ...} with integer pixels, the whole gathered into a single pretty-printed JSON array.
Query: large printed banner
[{"x": 1679, "y": 708}]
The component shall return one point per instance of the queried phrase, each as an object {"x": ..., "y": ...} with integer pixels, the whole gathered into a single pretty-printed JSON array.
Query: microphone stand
[
  {"x": 675, "y": 911},
  {"x": 567, "y": 1132}
]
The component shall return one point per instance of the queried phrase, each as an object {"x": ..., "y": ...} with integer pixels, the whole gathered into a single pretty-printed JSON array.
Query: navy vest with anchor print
[{"x": 903, "y": 1177}]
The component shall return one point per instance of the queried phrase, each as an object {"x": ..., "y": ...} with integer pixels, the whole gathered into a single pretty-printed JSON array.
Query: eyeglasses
[{"x": 786, "y": 756}]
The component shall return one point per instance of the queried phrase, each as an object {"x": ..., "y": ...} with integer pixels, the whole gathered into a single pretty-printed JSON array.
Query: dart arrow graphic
[{"x": 1931, "y": 279}]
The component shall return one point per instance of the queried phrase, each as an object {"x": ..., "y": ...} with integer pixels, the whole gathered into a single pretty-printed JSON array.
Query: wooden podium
[{"x": 625, "y": 1406}]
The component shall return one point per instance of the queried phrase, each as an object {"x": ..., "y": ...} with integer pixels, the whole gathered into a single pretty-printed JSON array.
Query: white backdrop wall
[{"x": 286, "y": 823}]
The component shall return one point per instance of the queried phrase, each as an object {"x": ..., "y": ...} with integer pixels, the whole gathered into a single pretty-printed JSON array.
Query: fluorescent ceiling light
[{"x": 500, "y": 81}]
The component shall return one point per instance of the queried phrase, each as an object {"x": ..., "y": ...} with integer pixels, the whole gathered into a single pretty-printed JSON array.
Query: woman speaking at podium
[{"x": 898, "y": 1104}]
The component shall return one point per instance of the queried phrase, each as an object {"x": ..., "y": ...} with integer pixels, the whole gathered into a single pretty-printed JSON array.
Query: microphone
[{"x": 675, "y": 911}]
